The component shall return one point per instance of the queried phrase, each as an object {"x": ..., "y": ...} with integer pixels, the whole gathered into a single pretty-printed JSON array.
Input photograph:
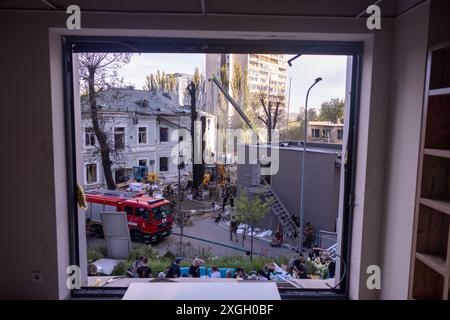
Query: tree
[
  {"x": 150, "y": 83},
  {"x": 332, "y": 111},
  {"x": 312, "y": 115},
  {"x": 98, "y": 72},
  {"x": 251, "y": 211},
  {"x": 269, "y": 107},
  {"x": 161, "y": 81}
]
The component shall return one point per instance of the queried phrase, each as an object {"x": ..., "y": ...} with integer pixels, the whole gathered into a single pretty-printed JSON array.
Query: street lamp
[{"x": 302, "y": 187}]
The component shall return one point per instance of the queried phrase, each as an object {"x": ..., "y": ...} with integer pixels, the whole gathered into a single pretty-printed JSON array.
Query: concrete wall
[
  {"x": 321, "y": 186},
  {"x": 31, "y": 91},
  {"x": 322, "y": 182}
]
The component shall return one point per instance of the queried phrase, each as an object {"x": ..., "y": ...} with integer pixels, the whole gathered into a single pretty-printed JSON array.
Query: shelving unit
[{"x": 430, "y": 261}]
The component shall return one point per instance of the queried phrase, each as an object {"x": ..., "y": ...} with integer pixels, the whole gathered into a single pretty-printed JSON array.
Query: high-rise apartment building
[{"x": 266, "y": 73}]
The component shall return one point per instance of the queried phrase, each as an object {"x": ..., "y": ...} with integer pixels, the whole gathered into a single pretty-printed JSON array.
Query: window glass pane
[
  {"x": 119, "y": 138},
  {"x": 142, "y": 135},
  {"x": 142, "y": 213},
  {"x": 163, "y": 134},
  {"x": 129, "y": 210},
  {"x": 91, "y": 173},
  {"x": 89, "y": 139},
  {"x": 161, "y": 212},
  {"x": 163, "y": 164}
]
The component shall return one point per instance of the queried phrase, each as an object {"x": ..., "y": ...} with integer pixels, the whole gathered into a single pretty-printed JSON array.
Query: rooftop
[
  {"x": 325, "y": 124},
  {"x": 139, "y": 101}
]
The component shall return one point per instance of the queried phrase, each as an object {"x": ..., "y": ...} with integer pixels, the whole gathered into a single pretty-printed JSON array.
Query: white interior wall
[{"x": 408, "y": 80}]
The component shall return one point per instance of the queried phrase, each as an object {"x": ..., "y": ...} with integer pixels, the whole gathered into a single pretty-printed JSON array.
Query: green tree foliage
[
  {"x": 161, "y": 81},
  {"x": 250, "y": 211},
  {"x": 332, "y": 111},
  {"x": 312, "y": 115}
]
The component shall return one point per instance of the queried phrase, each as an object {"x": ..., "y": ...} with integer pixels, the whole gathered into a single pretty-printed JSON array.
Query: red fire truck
[{"x": 149, "y": 219}]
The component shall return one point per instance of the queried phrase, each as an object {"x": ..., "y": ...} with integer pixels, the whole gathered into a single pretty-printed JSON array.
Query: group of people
[
  {"x": 140, "y": 268},
  {"x": 174, "y": 271},
  {"x": 297, "y": 267},
  {"x": 227, "y": 211}
]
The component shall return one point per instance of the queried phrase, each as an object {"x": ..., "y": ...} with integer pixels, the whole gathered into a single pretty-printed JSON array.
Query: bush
[
  {"x": 95, "y": 253},
  {"x": 142, "y": 250},
  {"x": 159, "y": 265},
  {"x": 169, "y": 255},
  {"x": 121, "y": 268}
]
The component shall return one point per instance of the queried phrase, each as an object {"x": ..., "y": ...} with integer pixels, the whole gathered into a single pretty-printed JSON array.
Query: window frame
[
  {"x": 167, "y": 164},
  {"x": 86, "y": 182},
  {"x": 168, "y": 139},
  {"x": 91, "y": 134},
  {"x": 313, "y": 131},
  {"x": 74, "y": 44},
  {"x": 139, "y": 136},
  {"x": 124, "y": 133},
  {"x": 146, "y": 161}
]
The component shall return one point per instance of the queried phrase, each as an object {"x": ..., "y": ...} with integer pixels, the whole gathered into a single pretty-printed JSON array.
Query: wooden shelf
[
  {"x": 443, "y": 153},
  {"x": 437, "y": 263},
  {"x": 438, "y": 205},
  {"x": 430, "y": 256},
  {"x": 439, "y": 92}
]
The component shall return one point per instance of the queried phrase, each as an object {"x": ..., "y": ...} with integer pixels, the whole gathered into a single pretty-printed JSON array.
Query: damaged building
[{"x": 142, "y": 128}]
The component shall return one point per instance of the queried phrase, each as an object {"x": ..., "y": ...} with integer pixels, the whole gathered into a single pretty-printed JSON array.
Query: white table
[{"x": 258, "y": 290}]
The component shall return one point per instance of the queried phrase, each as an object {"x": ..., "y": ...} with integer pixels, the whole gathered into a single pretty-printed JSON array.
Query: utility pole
[
  {"x": 288, "y": 106},
  {"x": 197, "y": 170},
  {"x": 180, "y": 166},
  {"x": 302, "y": 187}
]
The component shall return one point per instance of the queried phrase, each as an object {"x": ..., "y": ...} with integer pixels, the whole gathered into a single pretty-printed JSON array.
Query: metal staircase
[
  {"x": 280, "y": 211},
  {"x": 333, "y": 251},
  {"x": 277, "y": 208}
]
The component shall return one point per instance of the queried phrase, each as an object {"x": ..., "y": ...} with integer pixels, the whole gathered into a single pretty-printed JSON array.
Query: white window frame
[
  {"x": 95, "y": 138},
  {"x": 146, "y": 135},
  {"x": 124, "y": 127},
  {"x": 315, "y": 130},
  {"x": 96, "y": 173}
]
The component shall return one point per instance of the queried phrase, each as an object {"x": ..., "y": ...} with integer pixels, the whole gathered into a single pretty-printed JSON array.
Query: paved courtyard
[{"x": 205, "y": 228}]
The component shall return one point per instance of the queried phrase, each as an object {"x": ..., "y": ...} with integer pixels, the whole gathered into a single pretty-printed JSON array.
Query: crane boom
[{"x": 234, "y": 103}]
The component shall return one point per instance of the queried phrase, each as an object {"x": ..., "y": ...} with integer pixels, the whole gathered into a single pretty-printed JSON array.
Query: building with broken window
[{"x": 142, "y": 129}]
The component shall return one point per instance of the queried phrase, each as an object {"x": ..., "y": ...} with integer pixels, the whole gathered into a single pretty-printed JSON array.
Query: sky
[{"x": 304, "y": 70}]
